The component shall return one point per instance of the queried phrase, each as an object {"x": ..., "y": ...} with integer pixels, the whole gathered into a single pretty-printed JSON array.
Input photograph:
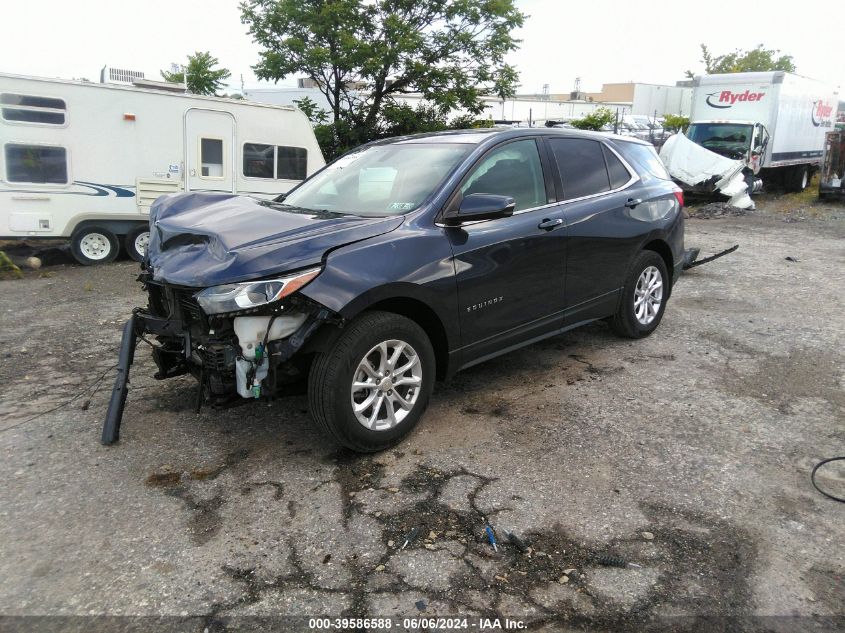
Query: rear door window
[
  {"x": 511, "y": 170},
  {"x": 581, "y": 166}
]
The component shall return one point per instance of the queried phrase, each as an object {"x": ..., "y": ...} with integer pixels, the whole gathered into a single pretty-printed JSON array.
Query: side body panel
[
  {"x": 806, "y": 111},
  {"x": 510, "y": 279}
]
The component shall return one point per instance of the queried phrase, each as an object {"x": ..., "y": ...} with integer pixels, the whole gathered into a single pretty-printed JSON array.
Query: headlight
[{"x": 251, "y": 294}]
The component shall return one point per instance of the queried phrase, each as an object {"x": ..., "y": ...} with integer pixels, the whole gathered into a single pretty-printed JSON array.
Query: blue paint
[{"x": 97, "y": 190}]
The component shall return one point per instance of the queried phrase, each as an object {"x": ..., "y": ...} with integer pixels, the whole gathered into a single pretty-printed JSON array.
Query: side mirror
[{"x": 482, "y": 206}]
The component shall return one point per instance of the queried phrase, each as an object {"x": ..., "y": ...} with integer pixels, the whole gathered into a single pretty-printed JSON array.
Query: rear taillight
[{"x": 679, "y": 195}]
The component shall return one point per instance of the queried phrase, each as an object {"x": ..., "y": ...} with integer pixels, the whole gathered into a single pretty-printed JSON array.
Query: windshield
[
  {"x": 379, "y": 180},
  {"x": 728, "y": 139}
]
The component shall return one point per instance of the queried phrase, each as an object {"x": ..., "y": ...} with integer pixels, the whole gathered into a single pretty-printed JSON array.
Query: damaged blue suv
[{"x": 402, "y": 262}]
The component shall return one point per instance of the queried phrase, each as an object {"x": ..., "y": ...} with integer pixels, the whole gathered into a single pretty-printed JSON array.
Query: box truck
[
  {"x": 774, "y": 122},
  {"x": 84, "y": 161}
]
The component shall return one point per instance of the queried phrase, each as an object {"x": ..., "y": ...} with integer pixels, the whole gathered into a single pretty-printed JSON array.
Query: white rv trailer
[{"x": 85, "y": 161}]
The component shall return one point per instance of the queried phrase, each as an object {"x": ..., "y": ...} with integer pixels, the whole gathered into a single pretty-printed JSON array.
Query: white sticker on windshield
[
  {"x": 400, "y": 206},
  {"x": 345, "y": 161}
]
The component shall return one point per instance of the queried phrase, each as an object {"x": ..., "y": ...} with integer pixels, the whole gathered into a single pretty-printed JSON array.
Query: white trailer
[
  {"x": 773, "y": 121},
  {"x": 85, "y": 161}
]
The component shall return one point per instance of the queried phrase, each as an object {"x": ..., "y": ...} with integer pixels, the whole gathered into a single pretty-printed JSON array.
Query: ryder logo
[
  {"x": 726, "y": 98},
  {"x": 821, "y": 114}
]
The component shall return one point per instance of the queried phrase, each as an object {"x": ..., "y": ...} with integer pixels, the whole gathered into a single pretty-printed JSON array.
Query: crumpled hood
[
  {"x": 693, "y": 164},
  {"x": 202, "y": 240}
]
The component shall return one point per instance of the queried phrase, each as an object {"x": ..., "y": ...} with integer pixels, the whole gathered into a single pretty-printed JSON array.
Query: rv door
[{"x": 209, "y": 150}]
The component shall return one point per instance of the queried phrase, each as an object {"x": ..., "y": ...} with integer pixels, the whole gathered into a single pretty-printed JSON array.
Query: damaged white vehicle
[
  {"x": 748, "y": 129},
  {"x": 706, "y": 172}
]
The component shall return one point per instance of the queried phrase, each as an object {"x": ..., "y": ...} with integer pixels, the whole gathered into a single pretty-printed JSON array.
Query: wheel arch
[
  {"x": 662, "y": 248},
  {"x": 118, "y": 227},
  {"x": 413, "y": 308},
  {"x": 424, "y": 316}
]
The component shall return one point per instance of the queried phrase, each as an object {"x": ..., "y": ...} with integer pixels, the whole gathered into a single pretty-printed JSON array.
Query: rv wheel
[
  {"x": 94, "y": 245},
  {"x": 136, "y": 242}
]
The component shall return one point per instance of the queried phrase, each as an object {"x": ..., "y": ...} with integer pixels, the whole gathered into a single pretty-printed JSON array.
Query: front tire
[
  {"x": 643, "y": 297},
  {"x": 94, "y": 245},
  {"x": 371, "y": 388}
]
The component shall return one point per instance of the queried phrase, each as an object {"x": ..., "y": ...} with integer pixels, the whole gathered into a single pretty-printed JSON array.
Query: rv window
[
  {"x": 258, "y": 160},
  {"x": 263, "y": 161},
  {"x": 36, "y": 164},
  {"x": 211, "y": 157},
  {"x": 31, "y": 109},
  {"x": 292, "y": 163}
]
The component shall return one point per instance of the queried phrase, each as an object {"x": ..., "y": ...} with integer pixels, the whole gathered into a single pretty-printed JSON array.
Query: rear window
[{"x": 645, "y": 157}]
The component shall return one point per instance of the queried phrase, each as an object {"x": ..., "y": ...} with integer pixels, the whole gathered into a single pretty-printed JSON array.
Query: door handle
[
  {"x": 633, "y": 202},
  {"x": 549, "y": 224}
]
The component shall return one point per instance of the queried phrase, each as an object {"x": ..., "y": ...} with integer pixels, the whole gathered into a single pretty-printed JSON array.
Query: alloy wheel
[
  {"x": 648, "y": 295},
  {"x": 386, "y": 385}
]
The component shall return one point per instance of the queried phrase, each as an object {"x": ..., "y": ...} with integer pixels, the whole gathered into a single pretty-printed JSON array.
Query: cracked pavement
[{"x": 687, "y": 453}]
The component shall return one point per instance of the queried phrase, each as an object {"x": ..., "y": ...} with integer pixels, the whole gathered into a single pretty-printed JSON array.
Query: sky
[{"x": 600, "y": 41}]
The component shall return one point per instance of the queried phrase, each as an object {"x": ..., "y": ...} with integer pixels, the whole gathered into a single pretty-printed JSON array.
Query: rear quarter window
[{"x": 644, "y": 158}]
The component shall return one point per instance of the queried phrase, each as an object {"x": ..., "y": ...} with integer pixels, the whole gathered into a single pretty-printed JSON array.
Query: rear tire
[
  {"x": 643, "y": 298},
  {"x": 359, "y": 407},
  {"x": 94, "y": 245},
  {"x": 136, "y": 242},
  {"x": 797, "y": 179}
]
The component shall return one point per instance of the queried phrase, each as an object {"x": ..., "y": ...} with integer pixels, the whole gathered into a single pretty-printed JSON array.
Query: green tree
[
  {"x": 401, "y": 119},
  {"x": 469, "y": 122},
  {"x": 595, "y": 120},
  {"x": 363, "y": 53},
  {"x": 739, "y": 61},
  {"x": 675, "y": 122},
  {"x": 202, "y": 76},
  {"x": 312, "y": 110}
]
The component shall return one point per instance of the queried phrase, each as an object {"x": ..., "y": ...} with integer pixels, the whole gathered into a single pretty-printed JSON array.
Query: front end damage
[
  {"x": 223, "y": 275},
  {"x": 246, "y": 354},
  {"x": 701, "y": 172}
]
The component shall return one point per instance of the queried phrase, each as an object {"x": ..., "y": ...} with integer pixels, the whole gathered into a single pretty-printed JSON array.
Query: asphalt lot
[{"x": 687, "y": 453}]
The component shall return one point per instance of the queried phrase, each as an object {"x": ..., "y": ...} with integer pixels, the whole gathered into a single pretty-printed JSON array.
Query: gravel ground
[{"x": 687, "y": 453}]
